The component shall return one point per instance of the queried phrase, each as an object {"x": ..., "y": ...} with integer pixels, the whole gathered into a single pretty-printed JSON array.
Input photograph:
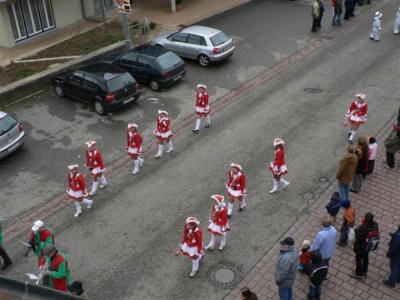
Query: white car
[
  {"x": 204, "y": 44},
  {"x": 12, "y": 134}
]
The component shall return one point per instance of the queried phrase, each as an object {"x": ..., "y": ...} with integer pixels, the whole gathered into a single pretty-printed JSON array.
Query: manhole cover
[
  {"x": 313, "y": 90},
  {"x": 308, "y": 196},
  {"x": 224, "y": 274}
]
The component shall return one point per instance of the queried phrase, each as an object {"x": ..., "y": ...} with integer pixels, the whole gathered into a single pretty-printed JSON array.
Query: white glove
[
  {"x": 85, "y": 195},
  {"x": 103, "y": 170},
  {"x": 47, "y": 273}
]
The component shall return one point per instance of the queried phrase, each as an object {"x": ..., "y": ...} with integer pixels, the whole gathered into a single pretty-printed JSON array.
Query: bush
[{"x": 152, "y": 25}]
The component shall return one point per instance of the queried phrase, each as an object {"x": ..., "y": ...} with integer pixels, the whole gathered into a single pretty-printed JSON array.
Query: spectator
[
  {"x": 286, "y": 267},
  {"x": 333, "y": 206},
  {"x": 337, "y": 12},
  {"x": 394, "y": 255},
  {"x": 315, "y": 15},
  {"x": 318, "y": 272},
  {"x": 392, "y": 144},
  {"x": 325, "y": 240},
  {"x": 304, "y": 256},
  {"x": 76, "y": 288},
  {"x": 349, "y": 216},
  {"x": 345, "y": 172},
  {"x": 321, "y": 12},
  {"x": 360, "y": 249},
  {"x": 349, "y": 5},
  {"x": 246, "y": 294},
  {"x": 3, "y": 253},
  {"x": 362, "y": 154},
  {"x": 371, "y": 156}
]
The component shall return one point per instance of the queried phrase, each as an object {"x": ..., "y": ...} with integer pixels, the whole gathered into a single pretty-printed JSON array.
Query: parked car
[
  {"x": 151, "y": 65},
  {"x": 12, "y": 134},
  {"x": 204, "y": 44},
  {"x": 102, "y": 85}
]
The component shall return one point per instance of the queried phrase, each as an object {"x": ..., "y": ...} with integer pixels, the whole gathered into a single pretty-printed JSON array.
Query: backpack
[{"x": 372, "y": 240}]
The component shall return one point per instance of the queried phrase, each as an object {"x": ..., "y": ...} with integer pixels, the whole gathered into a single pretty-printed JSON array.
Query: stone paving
[{"x": 380, "y": 194}]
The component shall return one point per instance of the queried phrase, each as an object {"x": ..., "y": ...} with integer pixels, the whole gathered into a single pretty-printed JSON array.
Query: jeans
[
  {"x": 394, "y": 270},
  {"x": 336, "y": 19},
  {"x": 315, "y": 291},
  {"x": 285, "y": 293},
  {"x": 362, "y": 262},
  {"x": 344, "y": 190}
]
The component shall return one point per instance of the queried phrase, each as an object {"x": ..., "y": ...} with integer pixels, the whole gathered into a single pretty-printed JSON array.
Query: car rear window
[
  {"x": 6, "y": 124},
  {"x": 219, "y": 39},
  {"x": 168, "y": 60},
  {"x": 119, "y": 82}
]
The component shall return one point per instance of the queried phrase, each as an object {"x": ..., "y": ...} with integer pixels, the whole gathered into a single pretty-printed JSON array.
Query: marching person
[
  {"x": 163, "y": 133},
  {"x": 396, "y": 28},
  {"x": 376, "y": 27},
  {"x": 278, "y": 166},
  {"x": 76, "y": 288},
  {"x": 55, "y": 265},
  {"x": 40, "y": 237},
  {"x": 134, "y": 146},
  {"x": 356, "y": 115},
  {"x": 192, "y": 243},
  {"x": 77, "y": 189},
  {"x": 202, "y": 107},
  {"x": 218, "y": 223},
  {"x": 3, "y": 253},
  {"x": 95, "y": 164},
  {"x": 236, "y": 188}
]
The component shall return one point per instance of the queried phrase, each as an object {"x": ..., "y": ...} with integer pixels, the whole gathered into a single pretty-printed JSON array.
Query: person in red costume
[
  {"x": 134, "y": 146},
  {"x": 236, "y": 188},
  {"x": 192, "y": 243},
  {"x": 77, "y": 189},
  {"x": 94, "y": 162},
  {"x": 278, "y": 166},
  {"x": 202, "y": 108},
  {"x": 356, "y": 115},
  {"x": 163, "y": 133},
  {"x": 219, "y": 224}
]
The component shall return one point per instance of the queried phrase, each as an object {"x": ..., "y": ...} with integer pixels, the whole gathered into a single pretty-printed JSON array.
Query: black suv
[
  {"x": 151, "y": 65},
  {"x": 102, "y": 85}
]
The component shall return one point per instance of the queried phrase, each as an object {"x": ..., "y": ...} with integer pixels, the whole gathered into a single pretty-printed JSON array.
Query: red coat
[
  {"x": 163, "y": 124},
  {"x": 201, "y": 105},
  {"x": 133, "y": 139},
  {"x": 76, "y": 182},
  {"x": 357, "y": 113},
  {"x": 278, "y": 166},
  {"x": 219, "y": 217},
  {"x": 236, "y": 185},
  {"x": 94, "y": 159},
  {"x": 193, "y": 238}
]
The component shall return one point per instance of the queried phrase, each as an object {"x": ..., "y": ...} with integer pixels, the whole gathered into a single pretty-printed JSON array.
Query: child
[
  {"x": 348, "y": 222},
  {"x": 317, "y": 274},
  {"x": 333, "y": 206},
  {"x": 304, "y": 256},
  {"x": 371, "y": 159}
]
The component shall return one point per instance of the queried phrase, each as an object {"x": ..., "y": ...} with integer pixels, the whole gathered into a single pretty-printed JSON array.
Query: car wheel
[
  {"x": 58, "y": 90},
  {"x": 204, "y": 60},
  {"x": 99, "y": 108},
  {"x": 160, "y": 46},
  {"x": 154, "y": 85}
]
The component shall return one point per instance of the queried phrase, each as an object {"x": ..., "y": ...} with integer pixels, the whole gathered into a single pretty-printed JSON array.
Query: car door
[
  {"x": 144, "y": 68},
  {"x": 90, "y": 88},
  {"x": 128, "y": 62},
  {"x": 195, "y": 45},
  {"x": 72, "y": 84},
  {"x": 177, "y": 43}
]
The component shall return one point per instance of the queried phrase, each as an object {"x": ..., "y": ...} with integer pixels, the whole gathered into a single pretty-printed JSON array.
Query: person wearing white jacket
[
  {"x": 376, "y": 27},
  {"x": 397, "y": 23}
]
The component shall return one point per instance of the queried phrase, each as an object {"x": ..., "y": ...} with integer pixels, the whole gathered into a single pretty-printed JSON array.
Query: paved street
[{"x": 282, "y": 81}]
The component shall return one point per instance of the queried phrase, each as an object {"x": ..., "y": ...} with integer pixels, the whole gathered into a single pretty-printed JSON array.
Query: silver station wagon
[
  {"x": 204, "y": 44},
  {"x": 12, "y": 134}
]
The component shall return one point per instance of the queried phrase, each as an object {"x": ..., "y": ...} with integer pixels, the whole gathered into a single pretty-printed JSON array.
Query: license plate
[
  {"x": 128, "y": 100},
  {"x": 12, "y": 148},
  {"x": 177, "y": 78}
]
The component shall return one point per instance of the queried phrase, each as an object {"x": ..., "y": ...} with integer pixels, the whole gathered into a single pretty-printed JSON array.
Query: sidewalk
[
  {"x": 158, "y": 11},
  {"x": 380, "y": 194}
]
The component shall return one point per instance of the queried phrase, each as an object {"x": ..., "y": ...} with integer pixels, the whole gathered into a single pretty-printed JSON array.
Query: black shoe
[
  {"x": 355, "y": 276},
  {"x": 364, "y": 274},
  {"x": 6, "y": 265},
  {"x": 353, "y": 191},
  {"x": 208, "y": 125},
  {"x": 228, "y": 216},
  {"x": 387, "y": 283},
  {"x": 195, "y": 130},
  {"x": 341, "y": 244},
  {"x": 241, "y": 209}
]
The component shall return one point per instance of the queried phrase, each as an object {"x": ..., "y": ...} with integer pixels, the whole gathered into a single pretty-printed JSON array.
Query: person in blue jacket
[
  {"x": 333, "y": 206},
  {"x": 394, "y": 255}
]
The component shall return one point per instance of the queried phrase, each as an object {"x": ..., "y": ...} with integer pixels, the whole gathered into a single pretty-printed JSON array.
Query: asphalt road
[{"x": 123, "y": 248}]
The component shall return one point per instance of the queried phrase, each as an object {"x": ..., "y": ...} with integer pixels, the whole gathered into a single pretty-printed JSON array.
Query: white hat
[
  {"x": 90, "y": 143},
  {"x": 192, "y": 220},
  {"x": 132, "y": 125},
  {"x": 201, "y": 86},
  {"x": 305, "y": 244},
  {"x": 237, "y": 166},
  {"x": 38, "y": 224},
  {"x": 219, "y": 199},
  {"x": 71, "y": 167},
  {"x": 278, "y": 141},
  {"x": 362, "y": 96},
  {"x": 162, "y": 112},
  {"x": 378, "y": 15}
]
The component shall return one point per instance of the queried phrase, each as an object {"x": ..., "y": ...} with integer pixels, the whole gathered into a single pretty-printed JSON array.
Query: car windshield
[
  {"x": 168, "y": 60},
  {"x": 120, "y": 82},
  {"x": 6, "y": 124},
  {"x": 219, "y": 39}
]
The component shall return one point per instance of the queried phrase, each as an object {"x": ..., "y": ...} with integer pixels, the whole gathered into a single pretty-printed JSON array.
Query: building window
[{"x": 30, "y": 17}]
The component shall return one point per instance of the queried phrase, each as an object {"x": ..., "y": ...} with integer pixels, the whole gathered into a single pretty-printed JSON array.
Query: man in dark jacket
[
  {"x": 349, "y": 5},
  {"x": 392, "y": 145},
  {"x": 361, "y": 233},
  {"x": 318, "y": 270},
  {"x": 394, "y": 255},
  {"x": 286, "y": 269},
  {"x": 362, "y": 154}
]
